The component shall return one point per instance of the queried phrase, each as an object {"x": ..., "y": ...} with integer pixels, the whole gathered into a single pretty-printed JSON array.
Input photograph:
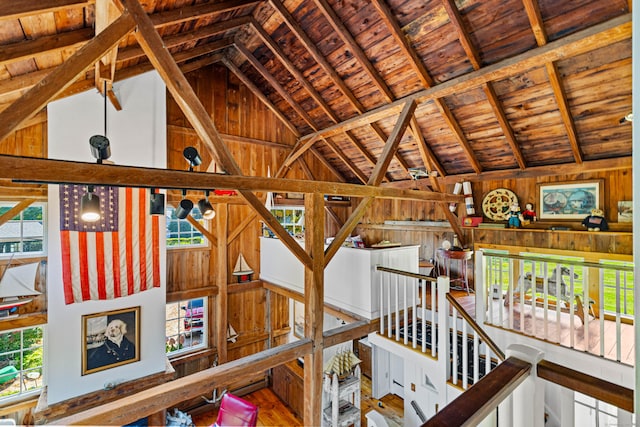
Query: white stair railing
[
  {"x": 436, "y": 317},
  {"x": 554, "y": 299}
]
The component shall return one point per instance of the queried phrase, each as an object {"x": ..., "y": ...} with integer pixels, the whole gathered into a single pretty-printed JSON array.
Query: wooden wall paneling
[
  {"x": 219, "y": 76},
  {"x": 188, "y": 269},
  {"x": 233, "y": 99}
]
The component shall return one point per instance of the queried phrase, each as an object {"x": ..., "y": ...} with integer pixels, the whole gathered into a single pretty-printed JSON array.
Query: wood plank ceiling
[{"x": 500, "y": 86}]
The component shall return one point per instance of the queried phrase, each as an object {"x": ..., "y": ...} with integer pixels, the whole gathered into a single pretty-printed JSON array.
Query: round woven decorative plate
[{"x": 497, "y": 203}]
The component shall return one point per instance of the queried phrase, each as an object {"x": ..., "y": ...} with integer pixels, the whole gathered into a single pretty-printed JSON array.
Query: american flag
[{"x": 116, "y": 256}]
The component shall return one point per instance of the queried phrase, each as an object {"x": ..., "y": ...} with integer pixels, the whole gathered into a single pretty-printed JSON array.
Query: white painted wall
[{"x": 138, "y": 138}]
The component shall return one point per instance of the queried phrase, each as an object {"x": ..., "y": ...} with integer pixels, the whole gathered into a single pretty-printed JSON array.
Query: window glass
[
  {"x": 21, "y": 354},
  {"x": 291, "y": 218},
  {"x": 181, "y": 233},
  {"x": 24, "y": 233},
  {"x": 186, "y": 325}
]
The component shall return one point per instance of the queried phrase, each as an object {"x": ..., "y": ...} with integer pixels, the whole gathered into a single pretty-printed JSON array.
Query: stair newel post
[
  {"x": 528, "y": 398},
  {"x": 443, "y": 337}
]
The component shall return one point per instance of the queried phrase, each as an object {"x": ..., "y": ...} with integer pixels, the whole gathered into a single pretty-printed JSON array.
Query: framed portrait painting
[
  {"x": 110, "y": 339},
  {"x": 570, "y": 200}
]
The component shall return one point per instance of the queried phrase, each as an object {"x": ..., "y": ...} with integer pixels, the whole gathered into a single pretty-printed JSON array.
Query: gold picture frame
[
  {"x": 569, "y": 200},
  {"x": 110, "y": 339}
]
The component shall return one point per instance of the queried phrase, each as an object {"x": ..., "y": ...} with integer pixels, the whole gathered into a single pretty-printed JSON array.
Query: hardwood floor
[
  {"x": 273, "y": 412},
  {"x": 568, "y": 331}
]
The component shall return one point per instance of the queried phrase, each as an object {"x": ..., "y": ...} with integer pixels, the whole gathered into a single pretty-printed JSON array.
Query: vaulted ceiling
[{"x": 463, "y": 87}]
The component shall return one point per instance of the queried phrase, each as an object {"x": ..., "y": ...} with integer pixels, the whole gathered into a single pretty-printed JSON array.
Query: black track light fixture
[
  {"x": 192, "y": 156},
  {"x": 90, "y": 206},
  {"x": 100, "y": 147},
  {"x": 156, "y": 203},
  {"x": 205, "y": 207},
  {"x": 185, "y": 206}
]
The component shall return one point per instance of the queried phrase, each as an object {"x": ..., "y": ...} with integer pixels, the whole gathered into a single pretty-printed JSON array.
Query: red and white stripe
[{"x": 107, "y": 265}]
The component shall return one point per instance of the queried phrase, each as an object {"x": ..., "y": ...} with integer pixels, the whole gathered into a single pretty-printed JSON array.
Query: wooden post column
[
  {"x": 222, "y": 279},
  {"x": 313, "y": 311}
]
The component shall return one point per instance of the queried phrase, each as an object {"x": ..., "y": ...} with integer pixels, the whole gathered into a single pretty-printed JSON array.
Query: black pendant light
[{"x": 90, "y": 206}]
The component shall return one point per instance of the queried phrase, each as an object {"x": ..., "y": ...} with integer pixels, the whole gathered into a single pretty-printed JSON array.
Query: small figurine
[
  {"x": 596, "y": 221},
  {"x": 515, "y": 216},
  {"x": 529, "y": 214}
]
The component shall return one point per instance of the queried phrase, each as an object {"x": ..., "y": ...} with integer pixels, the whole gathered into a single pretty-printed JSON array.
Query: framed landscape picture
[
  {"x": 110, "y": 339},
  {"x": 570, "y": 200}
]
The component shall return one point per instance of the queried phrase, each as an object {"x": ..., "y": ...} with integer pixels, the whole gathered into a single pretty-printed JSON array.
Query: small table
[{"x": 443, "y": 260}]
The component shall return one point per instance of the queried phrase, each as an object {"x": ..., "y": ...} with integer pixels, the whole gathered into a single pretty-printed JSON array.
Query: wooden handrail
[
  {"x": 497, "y": 254},
  {"x": 473, "y": 406},
  {"x": 406, "y": 273},
  {"x": 483, "y": 335},
  {"x": 602, "y": 390}
]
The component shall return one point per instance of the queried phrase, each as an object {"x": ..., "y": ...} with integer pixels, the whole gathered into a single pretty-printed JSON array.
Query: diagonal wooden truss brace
[{"x": 185, "y": 97}]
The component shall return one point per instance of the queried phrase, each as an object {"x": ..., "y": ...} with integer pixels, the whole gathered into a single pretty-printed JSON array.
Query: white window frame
[
  {"x": 22, "y": 254},
  {"x": 22, "y": 373},
  {"x": 196, "y": 213},
  {"x": 201, "y": 332}
]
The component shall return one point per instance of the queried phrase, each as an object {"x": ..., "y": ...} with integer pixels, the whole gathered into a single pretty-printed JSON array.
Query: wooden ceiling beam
[
  {"x": 197, "y": 12},
  {"x": 457, "y": 132},
  {"x": 25, "y": 49},
  {"x": 313, "y": 50},
  {"x": 498, "y": 111},
  {"x": 347, "y": 228},
  {"x": 11, "y": 9},
  {"x": 246, "y": 221},
  {"x": 363, "y": 150},
  {"x": 535, "y": 19},
  {"x": 309, "y": 174},
  {"x": 392, "y": 143},
  {"x": 193, "y": 110},
  {"x": 564, "y": 108},
  {"x": 261, "y": 96},
  {"x": 380, "y": 134},
  {"x": 428, "y": 157},
  {"x": 172, "y": 393},
  {"x": 39, "y": 170},
  {"x": 487, "y": 87},
  {"x": 210, "y": 237},
  {"x": 135, "y": 52},
  {"x": 403, "y": 42},
  {"x": 463, "y": 35},
  {"x": 350, "y": 42},
  {"x": 261, "y": 69},
  {"x": 537, "y": 26},
  {"x": 26, "y": 81},
  {"x": 36, "y": 98},
  {"x": 598, "y": 36},
  {"x": 550, "y": 170},
  {"x": 298, "y": 151},
  {"x": 310, "y": 46},
  {"x": 347, "y": 161},
  {"x": 297, "y": 74}
]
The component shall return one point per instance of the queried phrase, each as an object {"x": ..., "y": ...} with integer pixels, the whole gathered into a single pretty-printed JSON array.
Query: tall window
[
  {"x": 186, "y": 325},
  {"x": 23, "y": 233},
  {"x": 20, "y": 362},
  {"x": 181, "y": 233}
]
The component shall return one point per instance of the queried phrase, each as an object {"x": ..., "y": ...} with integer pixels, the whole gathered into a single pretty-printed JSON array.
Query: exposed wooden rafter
[
  {"x": 63, "y": 76},
  {"x": 191, "y": 106},
  {"x": 593, "y": 38},
  {"x": 262, "y": 70},
  {"x": 537, "y": 25}
]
